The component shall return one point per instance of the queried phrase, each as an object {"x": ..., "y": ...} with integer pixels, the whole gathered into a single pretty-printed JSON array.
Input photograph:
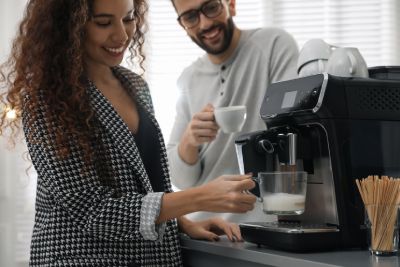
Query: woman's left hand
[{"x": 211, "y": 229}]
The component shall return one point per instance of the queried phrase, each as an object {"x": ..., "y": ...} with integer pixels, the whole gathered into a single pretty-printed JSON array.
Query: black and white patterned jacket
[{"x": 82, "y": 222}]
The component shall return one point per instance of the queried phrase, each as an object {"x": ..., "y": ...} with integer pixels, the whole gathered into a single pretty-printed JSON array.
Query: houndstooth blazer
[{"x": 80, "y": 221}]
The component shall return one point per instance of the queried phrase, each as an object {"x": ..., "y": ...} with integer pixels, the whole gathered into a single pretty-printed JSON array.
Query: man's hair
[{"x": 173, "y": 3}]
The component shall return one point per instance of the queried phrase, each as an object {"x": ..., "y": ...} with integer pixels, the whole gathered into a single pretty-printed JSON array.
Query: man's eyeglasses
[{"x": 191, "y": 18}]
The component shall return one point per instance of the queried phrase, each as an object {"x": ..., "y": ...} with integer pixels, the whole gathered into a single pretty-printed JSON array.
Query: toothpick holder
[{"x": 383, "y": 222}]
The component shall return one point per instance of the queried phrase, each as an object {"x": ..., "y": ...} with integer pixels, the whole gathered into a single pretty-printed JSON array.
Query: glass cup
[
  {"x": 382, "y": 221},
  {"x": 283, "y": 193},
  {"x": 376, "y": 261}
]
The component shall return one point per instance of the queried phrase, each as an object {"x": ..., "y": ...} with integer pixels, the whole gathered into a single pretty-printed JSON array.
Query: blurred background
[{"x": 373, "y": 26}]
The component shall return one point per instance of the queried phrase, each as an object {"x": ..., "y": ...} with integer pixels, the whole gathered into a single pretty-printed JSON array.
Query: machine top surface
[{"x": 328, "y": 96}]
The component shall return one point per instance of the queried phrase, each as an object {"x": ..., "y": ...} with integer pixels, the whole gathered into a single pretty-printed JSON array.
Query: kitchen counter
[{"x": 197, "y": 253}]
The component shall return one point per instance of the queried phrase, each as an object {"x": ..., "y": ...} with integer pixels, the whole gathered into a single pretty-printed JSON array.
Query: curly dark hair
[{"x": 47, "y": 56}]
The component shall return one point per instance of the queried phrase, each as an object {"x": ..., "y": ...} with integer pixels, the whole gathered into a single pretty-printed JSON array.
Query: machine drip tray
[
  {"x": 292, "y": 227},
  {"x": 291, "y": 236}
]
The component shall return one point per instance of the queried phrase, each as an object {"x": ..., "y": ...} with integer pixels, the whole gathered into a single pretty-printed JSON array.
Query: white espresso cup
[
  {"x": 347, "y": 62},
  {"x": 230, "y": 119},
  {"x": 313, "y": 57},
  {"x": 313, "y": 67}
]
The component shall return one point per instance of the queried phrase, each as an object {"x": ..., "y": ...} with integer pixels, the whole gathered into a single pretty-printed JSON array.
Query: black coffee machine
[{"x": 337, "y": 130}]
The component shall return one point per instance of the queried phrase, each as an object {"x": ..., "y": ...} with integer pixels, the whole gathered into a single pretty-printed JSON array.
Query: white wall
[{"x": 16, "y": 188}]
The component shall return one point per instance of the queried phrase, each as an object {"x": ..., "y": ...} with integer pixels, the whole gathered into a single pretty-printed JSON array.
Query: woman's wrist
[
  {"x": 177, "y": 204},
  {"x": 184, "y": 223},
  {"x": 198, "y": 198}
]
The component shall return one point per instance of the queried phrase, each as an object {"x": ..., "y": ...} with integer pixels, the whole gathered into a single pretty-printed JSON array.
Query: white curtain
[{"x": 370, "y": 25}]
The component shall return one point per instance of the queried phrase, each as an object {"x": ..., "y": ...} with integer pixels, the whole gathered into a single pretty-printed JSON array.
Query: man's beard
[{"x": 227, "y": 38}]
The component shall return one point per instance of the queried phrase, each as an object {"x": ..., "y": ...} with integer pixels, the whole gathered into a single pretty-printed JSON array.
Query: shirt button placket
[{"x": 221, "y": 93}]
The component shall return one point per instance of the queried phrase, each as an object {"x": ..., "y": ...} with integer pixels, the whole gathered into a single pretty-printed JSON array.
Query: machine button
[{"x": 315, "y": 92}]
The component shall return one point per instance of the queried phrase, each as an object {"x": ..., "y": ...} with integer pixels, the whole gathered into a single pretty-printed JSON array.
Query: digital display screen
[{"x": 289, "y": 99}]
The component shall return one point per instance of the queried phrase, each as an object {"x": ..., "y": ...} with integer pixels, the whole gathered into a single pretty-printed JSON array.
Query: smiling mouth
[
  {"x": 211, "y": 33},
  {"x": 116, "y": 51}
]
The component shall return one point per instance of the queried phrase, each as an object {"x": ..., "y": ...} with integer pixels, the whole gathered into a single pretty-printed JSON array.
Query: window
[{"x": 370, "y": 25}]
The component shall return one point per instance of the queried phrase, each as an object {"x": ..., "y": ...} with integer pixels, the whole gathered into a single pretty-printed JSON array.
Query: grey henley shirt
[{"x": 263, "y": 56}]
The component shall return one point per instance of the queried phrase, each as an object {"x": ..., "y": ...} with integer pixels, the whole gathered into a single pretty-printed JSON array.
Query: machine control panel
[{"x": 292, "y": 96}]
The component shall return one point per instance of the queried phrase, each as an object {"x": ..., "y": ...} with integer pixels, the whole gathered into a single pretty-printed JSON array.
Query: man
[{"x": 236, "y": 70}]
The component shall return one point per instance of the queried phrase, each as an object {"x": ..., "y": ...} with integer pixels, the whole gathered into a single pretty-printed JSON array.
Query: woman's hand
[
  {"x": 210, "y": 229},
  {"x": 227, "y": 194}
]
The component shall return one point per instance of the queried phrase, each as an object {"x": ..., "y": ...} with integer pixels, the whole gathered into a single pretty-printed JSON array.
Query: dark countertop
[{"x": 226, "y": 253}]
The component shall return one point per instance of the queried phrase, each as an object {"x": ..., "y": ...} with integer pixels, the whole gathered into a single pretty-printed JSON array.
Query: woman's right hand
[
  {"x": 224, "y": 194},
  {"x": 227, "y": 194}
]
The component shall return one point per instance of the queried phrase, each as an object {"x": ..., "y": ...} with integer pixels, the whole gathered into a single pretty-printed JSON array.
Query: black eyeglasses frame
[{"x": 198, "y": 11}]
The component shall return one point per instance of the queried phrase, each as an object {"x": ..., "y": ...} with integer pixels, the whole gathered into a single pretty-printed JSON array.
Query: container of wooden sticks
[{"x": 381, "y": 197}]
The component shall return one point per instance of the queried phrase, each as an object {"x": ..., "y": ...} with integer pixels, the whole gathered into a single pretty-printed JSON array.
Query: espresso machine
[{"x": 337, "y": 130}]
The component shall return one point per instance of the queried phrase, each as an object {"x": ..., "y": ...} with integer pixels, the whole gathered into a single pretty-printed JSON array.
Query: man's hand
[{"x": 201, "y": 129}]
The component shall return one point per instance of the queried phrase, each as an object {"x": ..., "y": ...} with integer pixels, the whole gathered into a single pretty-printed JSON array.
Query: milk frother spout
[{"x": 287, "y": 143}]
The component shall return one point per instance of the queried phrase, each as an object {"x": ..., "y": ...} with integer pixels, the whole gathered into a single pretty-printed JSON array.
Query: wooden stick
[{"x": 381, "y": 197}]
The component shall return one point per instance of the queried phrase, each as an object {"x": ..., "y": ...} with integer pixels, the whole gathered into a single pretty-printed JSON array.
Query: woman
[{"x": 103, "y": 196}]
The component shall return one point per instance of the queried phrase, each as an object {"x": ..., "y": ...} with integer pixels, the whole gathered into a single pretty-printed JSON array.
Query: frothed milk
[{"x": 283, "y": 202}]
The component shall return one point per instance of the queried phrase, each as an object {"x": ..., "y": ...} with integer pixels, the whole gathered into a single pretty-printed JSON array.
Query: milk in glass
[{"x": 284, "y": 202}]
